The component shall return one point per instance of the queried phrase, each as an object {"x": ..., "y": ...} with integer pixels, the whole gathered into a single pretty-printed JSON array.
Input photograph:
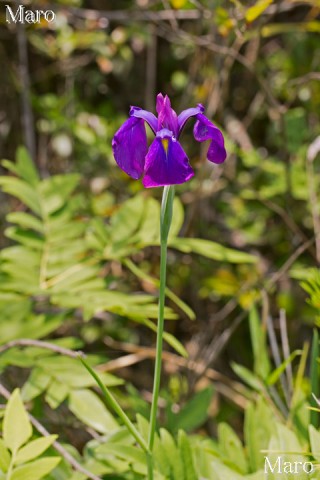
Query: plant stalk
[
  {"x": 112, "y": 402},
  {"x": 165, "y": 223}
]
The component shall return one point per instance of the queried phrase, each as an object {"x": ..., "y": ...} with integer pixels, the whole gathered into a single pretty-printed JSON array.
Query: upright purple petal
[
  {"x": 149, "y": 117},
  {"x": 205, "y": 130},
  {"x": 167, "y": 117},
  {"x": 159, "y": 102},
  {"x": 186, "y": 114},
  {"x": 130, "y": 147},
  {"x": 166, "y": 162}
]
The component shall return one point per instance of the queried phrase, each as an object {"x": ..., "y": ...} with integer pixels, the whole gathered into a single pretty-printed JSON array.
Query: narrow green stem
[
  {"x": 150, "y": 466},
  {"x": 165, "y": 222},
  {"x": 116, "y": 407},
  {"x": 147, "y": 447}
]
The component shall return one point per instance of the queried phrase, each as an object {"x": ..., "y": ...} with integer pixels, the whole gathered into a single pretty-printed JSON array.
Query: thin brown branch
[
  {"x": 285, "y": 267},
  {"x": 311, "y": 76},
  {"x": 231, "y": 389},
  {"x": 173, "y": 21},
  {"x": 133, "y": 15},
  {"x": 207, "y": 42},
  {"x": 215, "y": 347},
  {"x": 26, "y": 342},
  {"x": 288, "y": 219}
]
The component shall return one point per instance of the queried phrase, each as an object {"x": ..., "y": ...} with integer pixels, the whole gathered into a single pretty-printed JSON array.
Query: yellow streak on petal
[{"x": 165, "y": 143}]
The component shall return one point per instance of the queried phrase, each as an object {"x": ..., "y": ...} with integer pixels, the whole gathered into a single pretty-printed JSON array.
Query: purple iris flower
[{"x": 165, "y": 162}]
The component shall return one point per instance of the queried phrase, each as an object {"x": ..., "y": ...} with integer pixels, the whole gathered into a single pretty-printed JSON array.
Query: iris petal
[
  {"x": 205, "y": 130},
  {"x": 166, "y": 162},
  {"x": 130, "y": 147},
  {"x": 186, "y": 114},
  {"x": 159, "y": 102},
  {"x": 167, "y": 117},
  {"x": 145, "y": 115}
]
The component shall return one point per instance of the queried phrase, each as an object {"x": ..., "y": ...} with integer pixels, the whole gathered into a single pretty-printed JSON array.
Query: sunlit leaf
[
  {"x": 92, "y": 411},
  {"x": 5, "y": 456},
  {"x": 257, "y": 10},
  {"x": 34, "y": 449},
  {"x": 35, "y": 470},
  {"x": 17, "y": 428}
]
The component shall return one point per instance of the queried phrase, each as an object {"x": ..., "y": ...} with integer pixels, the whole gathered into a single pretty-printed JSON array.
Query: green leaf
[
  {"x": 231, "y": 447},
  {"x": 169, "y": 338},
  {"x": 25, "y": 220},
  {"x": 115, "y": 406},
  {"x": 17, "y": 428},
  {"x": 260, "y": 475},
  {"x": 159, "y": 454},
  {"x": 285, "y": 440},
  {"x": 34, "y": 449},
  {"x": 247, "y": 376},
  {"x": 149, "y": 230},
  {"x": 177, "y": 219},
  {"x": 154, "y": 281},
  {"x": 298, "y": 175},
  {"x": 271, "y": 29},
  {"x": 75, "y": 278},
  {"x": 35, "y": 470},
  {"x": 259, "y": 345},
  {"x": 173, "y": 454},
  {"x": 276, "y": 374},
  {"x": 5, "y": 456},
  {"x": 71, "y": 374},
  {"x": 222, "y": 472},
  {"x": 258, "y": 428},
  {"x": 186, "y": 456},
  {"x": 37, "y": 382},
  {"x": 125, "y": 222},
  {"x": 194, "y": 413},
  {"x": 257, "y": 10},
  {"x": 212, "y": 250},
  {"x": 25, "y": 167},
  {"x": 143, "y": 426},
  {"x": 21, "y": 190},
  {"x": 25, "y": 237},
  {"x": 88, "y": 407},
  {"x": 56, "y": 393},
  {"x": 175, "y": 344},
  {"x": 314, "y": 436},
  {"x": 126, "y": 452},
  {"x": 55, "y": 191}
]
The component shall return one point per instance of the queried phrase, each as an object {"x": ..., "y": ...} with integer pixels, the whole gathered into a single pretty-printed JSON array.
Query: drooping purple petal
[
  {"x": 167, "y": 117},
  {"x": 129, "y": 146},
  {"x": 149, "y": 117},
  {"x": 186, "y": 114},
  {"x": 205, "y": 130},
  {"x": 166, "y": 162}
]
